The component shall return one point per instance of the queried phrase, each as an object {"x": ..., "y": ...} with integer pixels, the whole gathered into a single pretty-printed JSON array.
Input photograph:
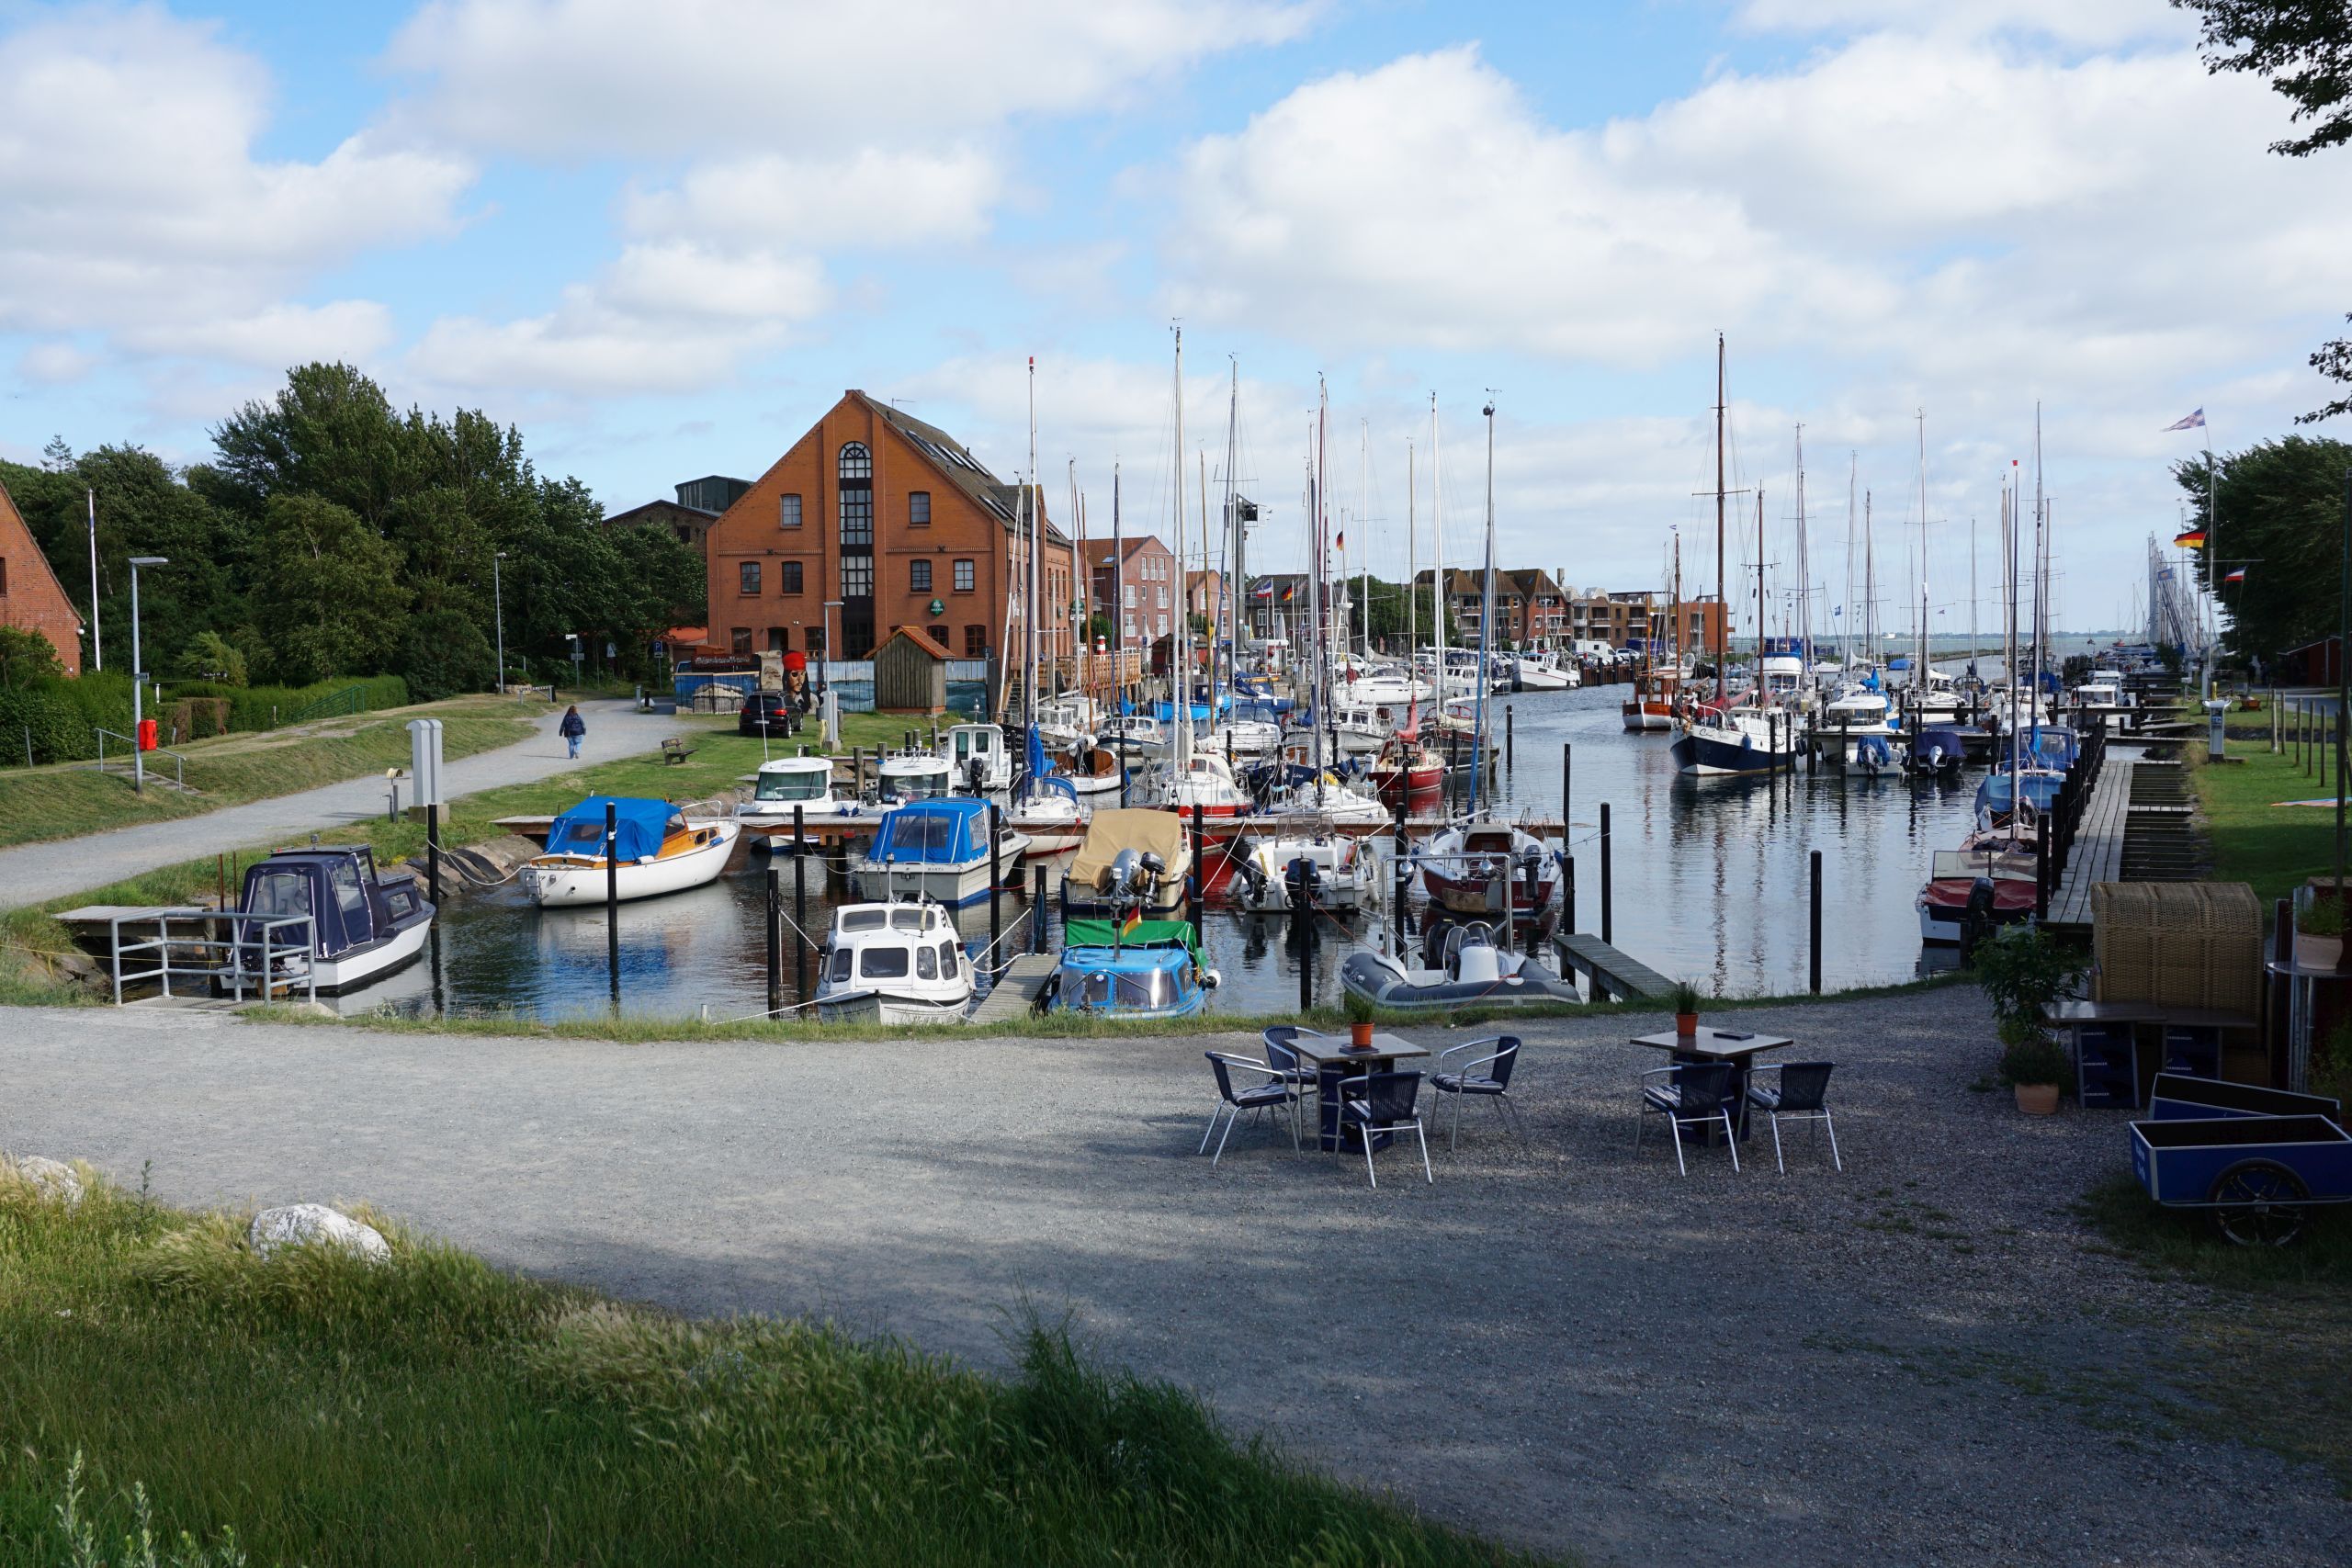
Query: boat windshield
[
  {"x": 280, "y": 893},
  {"x": 915, "y": 787},
  {"x": 882, "y": 962},
  {"x": 923, "y": 836},
  {"x": 862, "y": 919},
  {"x": 802, "y": 783},
  {"x": 1111, "y": 988}
]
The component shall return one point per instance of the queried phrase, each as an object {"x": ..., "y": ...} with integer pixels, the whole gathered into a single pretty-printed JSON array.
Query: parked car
[{"x": 772, "y": 708}]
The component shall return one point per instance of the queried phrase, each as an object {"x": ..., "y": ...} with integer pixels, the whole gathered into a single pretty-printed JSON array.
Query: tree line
[
  {"x": 332, "y": 535},
  {"x": 2276, "y": 512}
]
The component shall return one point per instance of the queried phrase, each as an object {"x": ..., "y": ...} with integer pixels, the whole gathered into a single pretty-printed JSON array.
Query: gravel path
[
  {"x": 33, "y": 873},
  {"x": 1923, "y": 1361}
]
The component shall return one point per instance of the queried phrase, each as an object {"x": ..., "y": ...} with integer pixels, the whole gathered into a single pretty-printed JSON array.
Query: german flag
[
  {"x": 2192, "y": 540},
  {"x": 1135, "y": 918}
]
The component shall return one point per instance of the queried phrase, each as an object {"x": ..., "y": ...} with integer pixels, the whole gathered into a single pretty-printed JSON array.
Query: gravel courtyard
[{"x": 1924, "y": 1359}]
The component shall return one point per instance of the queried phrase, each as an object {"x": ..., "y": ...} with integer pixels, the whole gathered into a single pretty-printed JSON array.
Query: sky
[{"x": 662, "y": 240}]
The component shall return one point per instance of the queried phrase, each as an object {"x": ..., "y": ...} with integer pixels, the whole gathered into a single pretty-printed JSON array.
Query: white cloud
[
  {"x": 55, "y": 364},
  {"x": 2070, "y": 21},
  {"x": 131, "y": 202},
  {"x": 573, "y": 77},
  {"x": 873, "y": 197}
]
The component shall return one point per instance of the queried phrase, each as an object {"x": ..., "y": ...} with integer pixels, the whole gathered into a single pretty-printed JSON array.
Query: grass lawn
[
  {"x": 70, "y": 799},
  {"x": 2255, "y": 838},
  {"x": 2267, "y": 1360},
  {"x": 431, "y": 1410}
]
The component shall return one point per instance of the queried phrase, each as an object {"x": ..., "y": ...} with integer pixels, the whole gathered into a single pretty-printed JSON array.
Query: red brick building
[
  {"x": 874, "y": 520},
  {"x": 30, "y": 595}
]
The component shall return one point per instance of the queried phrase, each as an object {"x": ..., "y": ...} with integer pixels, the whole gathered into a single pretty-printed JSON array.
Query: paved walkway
[
  {"x": 33, "y": 873},
  {"x": 1925, "y": 1359}
]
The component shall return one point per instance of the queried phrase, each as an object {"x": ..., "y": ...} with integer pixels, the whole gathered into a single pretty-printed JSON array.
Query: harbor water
[{"x": 1709, "y": 882}]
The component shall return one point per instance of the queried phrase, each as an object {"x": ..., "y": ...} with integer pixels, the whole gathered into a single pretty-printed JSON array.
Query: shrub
[
  {"x": 2029, "y": 1056},
  {"x": 2023, "y": 969}
]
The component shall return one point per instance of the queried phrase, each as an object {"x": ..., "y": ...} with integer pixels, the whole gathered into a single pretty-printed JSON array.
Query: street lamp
[
  {"x": 574, "y": 638},
  {"x": 498, "y": 611},
  {"x": 139, "y": 678}
]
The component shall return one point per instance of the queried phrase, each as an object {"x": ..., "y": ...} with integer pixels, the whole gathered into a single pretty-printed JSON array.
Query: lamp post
[
  {"x": 574, "y": 638},
  {"x": 498, "y": 613},
  {"x": 138, "y": 677}
]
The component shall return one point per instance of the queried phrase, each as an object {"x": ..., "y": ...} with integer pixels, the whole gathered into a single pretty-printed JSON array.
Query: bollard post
[
  {"x": 799, "y": 906},
  {"x": 612, "y": 897},
  {"x": 1037, "y": 913},
  {"x": 433, "y": 846},
  {"x": 1568, "y": 895},
  {"x": 996, "y": 879},
  {"x": 2040, "y": 868},
  {"x": 1568, "y": 772},
  {"x": 1510, "y": 749},
  {"x": 1608, "y": 926},
  {"x": 775, "y": 938},
  {"x": 1199, "y": 874},
  {"x": 1397, "y": 914},
  {"x": 1816, "y": 922},
  {"x": 1305, "y": 964}
]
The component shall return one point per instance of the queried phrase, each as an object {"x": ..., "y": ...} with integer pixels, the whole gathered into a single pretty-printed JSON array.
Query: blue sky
[{"x": 663, "y": 239}]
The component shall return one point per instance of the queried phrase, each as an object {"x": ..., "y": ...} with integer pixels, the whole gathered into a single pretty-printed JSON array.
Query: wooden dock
[
  {"x": 2097, "y": 854},
  {"x": 1017, "y": 990},
  {"x": 1613, "y": 974}
]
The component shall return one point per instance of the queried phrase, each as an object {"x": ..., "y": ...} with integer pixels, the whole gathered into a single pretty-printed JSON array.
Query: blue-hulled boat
[
  {"x": 1131, "y": 969},
  {"x": 937, "y": 850},
  {"x": 1996, "y": 796},
  {"x": 1938, "y": 749}
]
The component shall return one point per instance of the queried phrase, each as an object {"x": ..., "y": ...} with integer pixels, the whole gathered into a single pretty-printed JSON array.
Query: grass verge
[
  {"x": 2268, "y": 1358},
  {"x": 2256, "y": 840},
  {"x": 432, "y": 1410},
  {"x": 71, "y": 799}
]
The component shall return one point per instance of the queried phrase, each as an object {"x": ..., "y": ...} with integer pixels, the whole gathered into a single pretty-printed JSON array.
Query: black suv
[{"x": 768, "y": 707}]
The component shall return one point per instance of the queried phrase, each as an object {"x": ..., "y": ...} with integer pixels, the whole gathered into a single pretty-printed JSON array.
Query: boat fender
[{"x": 1211, "y": 979}]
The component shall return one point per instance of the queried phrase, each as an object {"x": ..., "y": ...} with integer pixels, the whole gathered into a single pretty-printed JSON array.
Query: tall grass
[{"x": 432, "y": 1410}]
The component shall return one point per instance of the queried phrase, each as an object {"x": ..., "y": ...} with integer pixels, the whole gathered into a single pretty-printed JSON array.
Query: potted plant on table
[
  {"x": 2024, "y": 971},
  {"x": 1359, "y": 1023},
  {"x": 1684, "y": 999}
]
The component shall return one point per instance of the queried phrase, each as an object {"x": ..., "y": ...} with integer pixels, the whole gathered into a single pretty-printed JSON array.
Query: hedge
[{"x": 60, "y": 716}]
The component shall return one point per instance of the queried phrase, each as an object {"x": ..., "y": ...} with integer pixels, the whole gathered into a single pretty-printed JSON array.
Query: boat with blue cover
[
  {"x": 361, "y": 922},
  {"x": 937, "y": 850},
  {"x": 652, "y": 847},
  {"x": 1997, "y": 795},
  {"x": 1131, "y": 968}
]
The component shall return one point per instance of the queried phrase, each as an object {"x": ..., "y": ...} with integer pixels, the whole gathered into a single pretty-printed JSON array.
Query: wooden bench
[{"x": 675, "y": 750}]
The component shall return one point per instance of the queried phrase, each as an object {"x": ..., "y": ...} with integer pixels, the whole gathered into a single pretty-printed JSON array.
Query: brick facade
[
  {"x": 888, "y": 516},
  {"x": 30, "y": 595}
]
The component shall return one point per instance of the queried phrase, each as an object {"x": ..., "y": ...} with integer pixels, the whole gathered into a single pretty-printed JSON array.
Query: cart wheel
[{"x": 2262, "y": 1204}]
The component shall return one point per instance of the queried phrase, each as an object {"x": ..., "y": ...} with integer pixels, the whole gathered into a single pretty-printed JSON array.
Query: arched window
[
  {"x": 857, "y": 463},
  {"x": 856, "y": 498}
]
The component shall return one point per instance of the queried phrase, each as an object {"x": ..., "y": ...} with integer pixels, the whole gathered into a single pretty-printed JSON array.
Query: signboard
[{"x": 939, "y": 606}]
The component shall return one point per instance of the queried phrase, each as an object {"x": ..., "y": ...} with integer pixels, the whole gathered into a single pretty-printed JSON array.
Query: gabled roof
[
  {"x": 955, "y": 463},
  {"x": 1098, "y": 551},
  {"x": 920, "y": 638},
  {"x": 10, "y": 515}
]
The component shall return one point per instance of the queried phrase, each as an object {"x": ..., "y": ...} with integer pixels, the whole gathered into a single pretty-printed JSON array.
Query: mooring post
[
  {"x": 800, "y": 903},
  {"x": 1199, "y": 874},
  {"x": 1608, "y": 926},
  {"x": 2041, "y": 869},
  {"x": 1299, "y": 945},
  {"x": 612, "y": 894},
  {"x": 433, "y": 846},
  {"x": 996, "y": 880},
  {"x": 1816, "y": 922},
  {"x": 1037, "y": 913},
  {"x": 1568, "y": 772},
  {"x": 1510, "y": 746},
  {"x": 775, "y": 937},
  {"x": 1568, "y": 895},
  {"x": 1402, "y": 890}
]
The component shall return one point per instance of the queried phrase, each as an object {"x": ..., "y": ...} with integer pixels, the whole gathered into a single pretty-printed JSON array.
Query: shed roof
[{"x": 920, "y": 638}]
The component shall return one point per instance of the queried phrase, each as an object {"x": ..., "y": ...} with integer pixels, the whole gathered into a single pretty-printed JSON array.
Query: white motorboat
[
  {"x": 893, "y": 963},
  {"x": 1318, "y": 870},
  {"x": 346, "y": 922},
  {"x": 1546, "y": 671},
  {"x": 803, "y": 785},
  {"x": 1093, "y": 771},
  {"x": 1484, "y": 865},
  {"x": 1067, "y": 724},
  {"x": 1329, "y": 797},
  {"x": 977, "y": 758},
  {"x": 917, "y": 775},
  {"x": 653, "y": 851},
  {"x": 937, "y": 850},
  {"x": 1373, "y": 685},
  {"x": 1131, "y": 733},
  {"x": 1047, "y": 812},
  {"x": 1736, "y": 740},
  {"x": 1132, "y": 861},
  {"x": 1251, "y": 737},
  {"x": 1473, "y": 973}
]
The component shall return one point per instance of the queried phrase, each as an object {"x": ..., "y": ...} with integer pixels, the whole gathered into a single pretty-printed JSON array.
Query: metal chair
[
  {"x": 1799, "y": 1094},
  {"x": 1382, "y": 1102},
  {"x": 1692, "y": 1093},
  {"x": 1231, "y": 1102},
  {"x": 1281, "y": 1043},
  {"x": 1493, "y": 1083}
]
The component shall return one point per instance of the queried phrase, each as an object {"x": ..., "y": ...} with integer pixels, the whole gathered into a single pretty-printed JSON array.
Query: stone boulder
[
  {"x": 54, "y": 1181},
  {"x": 315, "y": 1225}
]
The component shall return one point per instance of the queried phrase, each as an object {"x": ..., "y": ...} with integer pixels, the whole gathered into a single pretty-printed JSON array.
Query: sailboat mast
[
  {"x": 1722, "y": 622},
  {"x": 1853, "y": 472},
  {"x": 1479, "y": 783},
  {"x": 2041, "y": 559},
  {"x": 1118, "y": 594},
  {"x": 1437, "y": 559},
  {"x": 1079, "y": 639},
  {"x": 1183, "y": 699},
  {"x": 1029, "y": 611},
  {"x": 1920, "y": 677},
  {"x": 1319, "y": 669},
  {"x": 1363, "y": 549},
  {"x": 1230, "y": 611},
  {"x": 1805, "y": 572},
  {"x": 1760, "y": 595},
  {"x": 1412, "y": 566}
]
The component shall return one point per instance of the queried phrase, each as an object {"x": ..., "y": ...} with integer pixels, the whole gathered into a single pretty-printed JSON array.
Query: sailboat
[
  {"x": 1720, "y": 737},
  {"x": 1045, "y": 810}
]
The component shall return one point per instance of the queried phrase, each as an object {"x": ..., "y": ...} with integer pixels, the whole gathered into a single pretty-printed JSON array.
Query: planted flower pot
[
  {"x": 1686, "y": 1024},
  {"x": 2038, "y": 1099},
  {"x": 1360, "y": 1036}
]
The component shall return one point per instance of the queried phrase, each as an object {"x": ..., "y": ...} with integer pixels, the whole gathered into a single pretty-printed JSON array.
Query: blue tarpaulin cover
[
  {"x": 639, "y": 827},
  {"x": 936, "y": 832}
]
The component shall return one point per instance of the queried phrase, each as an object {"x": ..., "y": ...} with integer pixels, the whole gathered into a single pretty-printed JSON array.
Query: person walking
[{"x": 572, "y": 727}]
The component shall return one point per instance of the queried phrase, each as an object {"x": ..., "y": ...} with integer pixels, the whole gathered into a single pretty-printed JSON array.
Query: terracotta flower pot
[
  {"x": 1686, "y": 1024},
  {"x": 2038, "y": 1099},
  {"x": 1360, "y": 1035}
]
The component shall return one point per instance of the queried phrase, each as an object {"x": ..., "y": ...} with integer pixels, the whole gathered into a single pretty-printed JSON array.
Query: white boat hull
[
  {"x": 880, "y": 1006},
  {"x": 571, "y": 886}
]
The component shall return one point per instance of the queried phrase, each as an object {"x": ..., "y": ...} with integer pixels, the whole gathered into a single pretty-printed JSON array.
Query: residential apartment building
[
  {"x": 31, "y": 598},
  {"x": 874, "y": 520},
  {"x": 700, "y": 503},
  {"x": 1139, "y": 595}
]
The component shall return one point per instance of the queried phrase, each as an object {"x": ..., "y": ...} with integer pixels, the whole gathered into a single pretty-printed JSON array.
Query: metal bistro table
[
  {"x": 1737, "y": 1047},
  {"x": 1335, "y": 1063}
]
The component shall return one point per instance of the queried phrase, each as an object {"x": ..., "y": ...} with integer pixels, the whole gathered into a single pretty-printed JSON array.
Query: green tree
[
  {"x": 334, "y": 603},
  {"x": 25, "y": 657},
  {"x": 443, "y": 653},
  {"x": 2304, "y": 47},
  {"x": 2282, "y": 519},
  {"x": 212, "y": 657}
]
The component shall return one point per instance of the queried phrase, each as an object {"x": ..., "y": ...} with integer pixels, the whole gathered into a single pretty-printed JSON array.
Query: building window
[
  {"x": 857, "y": 463},
  {"x": 788, "y": 512},
  {"x": 1163, "y": 625},
  {"x": 919, "y": 508},
  {"x": 791, "y": 570},
  {"x": 779, "y": 639},
  {"x": 976, "y": 642},
  {"x": 738, "y": 639},
  {"x": 939, "y": 636},
  {"x": 816, "y": 641},
  {"x": 857, "y": 513},
  {"x": 919, "y": 577},
  {"x": 746, "y": 578},
  {"x": 1163, "y": 598},
  {"x": 967, "y": 577},
  {"x": 1131, "y": 595},
  {"x": 857, "y": 576}
]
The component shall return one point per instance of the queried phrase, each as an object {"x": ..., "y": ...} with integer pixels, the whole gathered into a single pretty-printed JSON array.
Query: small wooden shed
[{"x": 910, "y": 673}]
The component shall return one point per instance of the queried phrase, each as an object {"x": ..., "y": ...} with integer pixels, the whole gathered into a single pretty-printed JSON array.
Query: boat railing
[{"x": 210, "y": 944}]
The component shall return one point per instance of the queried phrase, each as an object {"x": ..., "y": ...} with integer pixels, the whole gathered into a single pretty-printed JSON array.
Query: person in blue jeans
[{"x": 572, "y": 727}]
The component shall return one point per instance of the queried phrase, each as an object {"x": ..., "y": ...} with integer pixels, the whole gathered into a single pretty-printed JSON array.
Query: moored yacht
[
  {"x": 893, "y": 963},
  {"x": 651, "y": 850},
  {"x": 363, "y": 922}
]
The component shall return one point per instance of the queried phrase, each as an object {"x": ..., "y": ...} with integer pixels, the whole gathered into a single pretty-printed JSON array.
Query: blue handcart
[{"x": 2256, "y": 1160}]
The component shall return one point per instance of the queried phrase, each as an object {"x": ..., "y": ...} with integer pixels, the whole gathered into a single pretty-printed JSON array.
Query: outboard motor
[
  {"x": 1254, "y": 878},
  {"x": 1303, "y": 882},
  {"x": 1975, "y": 920},
  {"x": 1123, "y": 867},
  {"x": 975, "y": 772}
]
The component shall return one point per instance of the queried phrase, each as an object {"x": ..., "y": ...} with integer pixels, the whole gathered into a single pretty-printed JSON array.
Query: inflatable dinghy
[{"x": 1474, "y": 972}]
